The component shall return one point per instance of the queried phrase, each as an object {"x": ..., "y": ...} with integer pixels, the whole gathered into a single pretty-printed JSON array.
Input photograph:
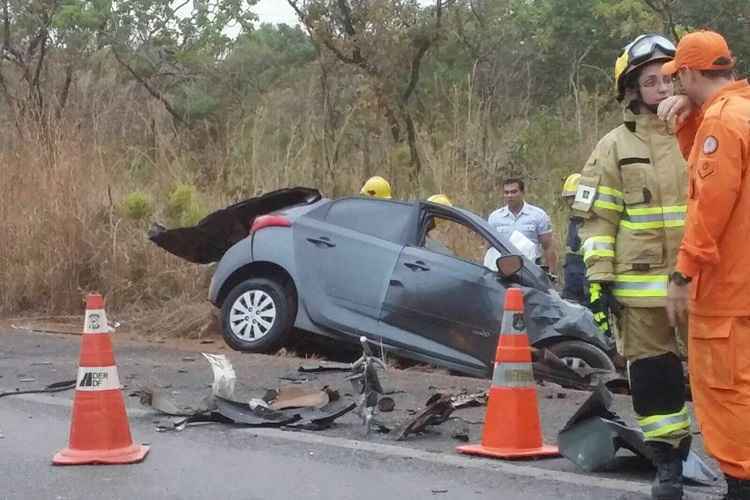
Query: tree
[
  {"x": 169, "y": 49},
  {"x": 385, "y": 41},
  {"x": 38, "y": 33},
  {"x": 731, "y": 18}
]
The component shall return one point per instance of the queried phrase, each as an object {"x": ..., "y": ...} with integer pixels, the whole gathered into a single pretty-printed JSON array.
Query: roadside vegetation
[{"x": 116, "y": 114}]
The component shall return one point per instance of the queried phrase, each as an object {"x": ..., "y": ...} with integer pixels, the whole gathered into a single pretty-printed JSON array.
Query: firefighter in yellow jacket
[{"x": 632, "y": 196}]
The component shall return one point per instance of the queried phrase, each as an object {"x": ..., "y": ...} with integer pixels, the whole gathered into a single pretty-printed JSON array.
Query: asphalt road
[{"x": 223, "y": 462}]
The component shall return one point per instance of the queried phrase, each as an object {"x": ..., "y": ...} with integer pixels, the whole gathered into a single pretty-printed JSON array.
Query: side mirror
[{"x": 508, "y": 265}]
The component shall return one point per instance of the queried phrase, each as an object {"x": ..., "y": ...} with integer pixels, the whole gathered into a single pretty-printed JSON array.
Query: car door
[
  {"x": 450, "y": 300},
  {"x": 346, "y": 252}
]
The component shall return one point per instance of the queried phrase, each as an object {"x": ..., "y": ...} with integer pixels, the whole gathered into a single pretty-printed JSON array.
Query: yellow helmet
[
  {"x": 571, "y": 185},
  {"x": 441, "y": 199},
  {"x": 643, "y": 50},
  {"x": 377, "y": 187}
]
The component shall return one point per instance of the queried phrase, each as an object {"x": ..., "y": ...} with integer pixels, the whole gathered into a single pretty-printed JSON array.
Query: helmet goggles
[{"x": 644, "y": 47}]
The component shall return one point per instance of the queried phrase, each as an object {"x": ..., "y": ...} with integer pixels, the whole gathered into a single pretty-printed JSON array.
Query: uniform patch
[
  {"x": 584, "y": 197},
  {"x": 710, "y": 145},
  {"x": 705, "y": 169}
]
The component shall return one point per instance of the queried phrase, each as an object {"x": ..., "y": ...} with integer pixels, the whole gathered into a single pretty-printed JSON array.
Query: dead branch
[
  {"x": 151, "y": 90},
  {"x": 64, "y": 91}
]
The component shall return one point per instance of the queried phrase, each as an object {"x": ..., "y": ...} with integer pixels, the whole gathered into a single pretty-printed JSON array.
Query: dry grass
[
  {"x": 176, "y": 318},
  {"x": 64, "y": 232}
]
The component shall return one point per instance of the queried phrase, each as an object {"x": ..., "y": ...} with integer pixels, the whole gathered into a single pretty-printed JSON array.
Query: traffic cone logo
[
  {"x": 99, "y": 428},
  {"x": 511, "y": 427}
]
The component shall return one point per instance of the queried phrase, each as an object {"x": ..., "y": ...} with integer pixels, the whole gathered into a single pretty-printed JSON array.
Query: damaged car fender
[
  {"x": 234, "y": 263},
  {"x": 551, "y": 318}
]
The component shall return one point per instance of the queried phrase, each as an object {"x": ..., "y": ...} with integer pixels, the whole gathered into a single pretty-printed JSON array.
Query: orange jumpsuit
[{"x": 715, "y": 252}]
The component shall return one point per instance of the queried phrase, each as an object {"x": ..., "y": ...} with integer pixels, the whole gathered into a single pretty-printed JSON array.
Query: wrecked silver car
[{"x": 409, "y": 276}]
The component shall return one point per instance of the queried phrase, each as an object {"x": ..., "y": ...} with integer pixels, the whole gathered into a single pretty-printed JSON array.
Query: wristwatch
[{"x": 680, "y": 279}]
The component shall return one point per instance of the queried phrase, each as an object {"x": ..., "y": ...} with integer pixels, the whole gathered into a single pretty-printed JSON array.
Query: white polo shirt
[{"x": 531, "y": 221}]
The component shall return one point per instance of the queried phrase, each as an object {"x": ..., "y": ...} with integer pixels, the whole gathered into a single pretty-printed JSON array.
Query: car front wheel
[
  {"x": 257, "y": 316},
  {"x": 578, "y": 355}
]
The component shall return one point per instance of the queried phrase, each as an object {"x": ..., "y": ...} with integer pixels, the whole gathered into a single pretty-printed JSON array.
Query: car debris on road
[
  {"x": 290, "y": 406},
  {"x": 65, "y": 385},
  {"x": 594, "y": 434},
  {"x": 367, "y": 387},
  {"x": 548, "y": 367}
]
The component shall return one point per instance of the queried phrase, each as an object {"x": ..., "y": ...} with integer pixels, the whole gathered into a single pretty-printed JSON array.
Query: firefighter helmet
[
  {"x": 643, "y": 50},
  {"x": 377, "y": 187}
]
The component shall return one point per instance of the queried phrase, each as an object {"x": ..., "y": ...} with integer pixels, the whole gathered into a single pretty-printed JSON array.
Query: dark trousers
[{"x": 576, "y": 286}]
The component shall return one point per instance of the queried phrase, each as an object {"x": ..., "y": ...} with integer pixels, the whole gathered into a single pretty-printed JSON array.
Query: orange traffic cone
[
  {"x": 511, "y": 426},
  {"x": 99, "y": 428}
]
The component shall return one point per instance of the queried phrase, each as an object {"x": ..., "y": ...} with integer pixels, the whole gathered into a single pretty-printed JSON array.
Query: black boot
[
  {"x": 737, "y": 489},
  {"x": 667, "y": 484}
]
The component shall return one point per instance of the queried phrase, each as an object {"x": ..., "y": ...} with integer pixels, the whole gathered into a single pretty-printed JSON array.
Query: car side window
[
  {"x": 449, "y": 237},
  {"x": 382, "y": 219}
]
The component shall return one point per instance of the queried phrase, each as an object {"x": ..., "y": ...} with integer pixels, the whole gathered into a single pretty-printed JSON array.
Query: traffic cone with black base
[
  {"x": 511, "y": 427},
  {"x": 99, "y": 428}
]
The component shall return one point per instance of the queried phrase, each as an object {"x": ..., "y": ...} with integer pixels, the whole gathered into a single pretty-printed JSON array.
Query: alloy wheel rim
[{"x": 252, "y": 315}]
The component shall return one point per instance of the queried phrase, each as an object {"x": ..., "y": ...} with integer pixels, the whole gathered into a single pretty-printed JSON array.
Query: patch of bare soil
[{"x": 193, "y": 325}]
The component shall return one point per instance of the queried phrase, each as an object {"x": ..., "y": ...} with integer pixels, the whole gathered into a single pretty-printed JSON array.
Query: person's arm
[
  {"x": 687, "y": 116},
  {"x": 715, "y": 185},
  {"x": 599, "y": 202},
  {"x": 550, "y": 251},
  {"x": 715, "y": 182}
]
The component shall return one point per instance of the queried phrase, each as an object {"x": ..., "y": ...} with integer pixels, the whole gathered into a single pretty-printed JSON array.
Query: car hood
[
  {"x": 208, "y": 240},
  {"x": 549, "y": 316}
]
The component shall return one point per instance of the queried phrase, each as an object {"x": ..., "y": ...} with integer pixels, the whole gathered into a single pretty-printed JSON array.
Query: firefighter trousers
[
  {"x": 720, "y": 383},
  {"x": 657, "y": 381}
]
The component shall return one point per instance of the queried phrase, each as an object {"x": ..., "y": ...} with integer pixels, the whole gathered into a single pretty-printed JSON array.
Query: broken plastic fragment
[
  {"x": 594, "y": 434},
  {"x": 299, "y": 396},
  {"x": 224, "y": 375}
]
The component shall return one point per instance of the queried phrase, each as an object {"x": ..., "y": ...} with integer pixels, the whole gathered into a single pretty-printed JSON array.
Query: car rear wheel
[
  {"x": 578, "y": 355},
  {"x": 257, "y": 316}
]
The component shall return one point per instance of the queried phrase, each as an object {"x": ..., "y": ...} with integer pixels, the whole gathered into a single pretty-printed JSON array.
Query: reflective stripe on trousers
[
  {"x": 598, "y": 246},
  {"x": 640, "y": 285},
  {"x": 666, "y": 426}
]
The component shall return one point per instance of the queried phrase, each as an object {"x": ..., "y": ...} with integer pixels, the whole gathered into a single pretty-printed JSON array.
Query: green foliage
[
  {"x": 731, "y": 18},
  {"x": 262, "y": 59},
  {"x": 536, "y": 147},
  {"x": 184, "y": 207},
  {"x": 137, "y": 206},
  {"x": 194, "y": 214},
  {"x": 195, "y": 102}
]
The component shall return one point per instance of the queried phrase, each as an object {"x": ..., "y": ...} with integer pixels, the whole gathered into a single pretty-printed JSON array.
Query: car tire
[
  {"x": 257, "y": 316},
  {"x": 579, "y": 354}
]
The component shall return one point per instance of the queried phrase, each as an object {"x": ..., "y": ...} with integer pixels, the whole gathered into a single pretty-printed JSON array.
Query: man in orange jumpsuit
[{"x": 714, "y": 257}]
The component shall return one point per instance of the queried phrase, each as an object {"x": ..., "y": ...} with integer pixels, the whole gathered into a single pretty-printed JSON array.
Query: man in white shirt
[{"x": 527, "y": 221}]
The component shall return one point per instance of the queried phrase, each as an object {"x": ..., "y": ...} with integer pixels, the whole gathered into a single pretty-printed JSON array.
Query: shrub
[{"x": 137, "y": 206}]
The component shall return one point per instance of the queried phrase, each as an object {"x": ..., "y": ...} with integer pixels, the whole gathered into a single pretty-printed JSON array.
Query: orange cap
[{"x": 702, "y": 50}]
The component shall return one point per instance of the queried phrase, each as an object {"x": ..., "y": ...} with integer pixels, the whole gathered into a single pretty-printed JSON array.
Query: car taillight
[{"x": 269, "y": 221}]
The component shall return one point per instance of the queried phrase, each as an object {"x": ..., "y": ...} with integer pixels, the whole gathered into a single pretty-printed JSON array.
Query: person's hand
[
  {"x": 677, "y": 107},
  {"x": 677, "y": 303}
]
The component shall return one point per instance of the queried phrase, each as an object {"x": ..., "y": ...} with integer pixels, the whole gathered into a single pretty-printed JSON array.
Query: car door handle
[
  {"x": 322, "y": 242},
  {"x": 417, "y": 266}
]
